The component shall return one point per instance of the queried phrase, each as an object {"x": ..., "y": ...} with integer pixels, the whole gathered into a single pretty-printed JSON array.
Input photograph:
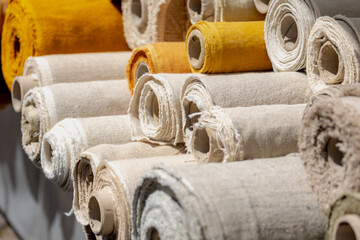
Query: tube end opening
[
  {"x": 193, "y": 108},
  {"x": 16, "y": 95},
  {"x": 139, "y": 15},
  {"x": 347, "y": 228},
  {"x": 201, "y": 144},
  {"x": 330, "y": 68},
  {"x": 334, "y": 154},
  {"x": 289, "y": 32},
  {"x": 141, "y": 69},
  {"x": 196, "y": 49},
  {"x": 262, "y": 5},
  {"x": 152, "y": 111},
  {"x": 48, "y": 154},
  {"x": 153, "y": 234},
  {"x": 195, "y": 6}
]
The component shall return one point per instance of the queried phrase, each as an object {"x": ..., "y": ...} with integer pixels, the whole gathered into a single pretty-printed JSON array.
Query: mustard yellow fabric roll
[
  {"x": 160, "y": 57},
  {"x": 215, "y": 47},
  {"x": 38, "y": 27}
]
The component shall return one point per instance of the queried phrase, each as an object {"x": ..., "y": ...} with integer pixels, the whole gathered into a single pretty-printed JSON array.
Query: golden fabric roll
[
  {"x": 215, "y": 47},
  {"x": 37, "y": 27},
  {"x": 161, "y": 57}
]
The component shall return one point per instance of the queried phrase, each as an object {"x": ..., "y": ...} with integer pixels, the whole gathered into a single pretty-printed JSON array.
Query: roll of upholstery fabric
[
  {"x": 62, "y": 68},
  {"x": 45, "y": 106},
  {"x": 329, "y": 146},
  {"x": 260, "y": 199},
  {"x": 222, "y": 11},
  {"x": 344, "y": 219},
  {"x": 333, "y": 53},
  {"x": 262, "y": 5},
  {"x": 234, "y": 134},
  {"x": 149, "y": 21},
  {"x": 288, "y": 24},
  {"x": 155, "y": 111},
  {"x": 36, "y": 28},
  {"x": 160, "y": 57},
  {"x": 221, "y": 47},
  {"x": 113, "y": 188},
  {"x": 85, "y": 168}
]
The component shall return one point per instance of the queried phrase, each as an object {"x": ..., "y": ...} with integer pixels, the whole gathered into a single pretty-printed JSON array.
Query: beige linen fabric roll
[
  {"x": 262, "y": 5},
  {"x": 288, "y": 24},
  {"x": 113, "y": 188},
  {"x": 333, "y": 53},
  {"x": 259, "y": 199},
  {"x": 149, "y": 21},
  {"x": 63, "y": 68},
  {"x": 85, "y": 168},
  {"x": 45, "y": 106},
  {"x": 155, "y": 110},
  {"x": 234, "y": 134}
]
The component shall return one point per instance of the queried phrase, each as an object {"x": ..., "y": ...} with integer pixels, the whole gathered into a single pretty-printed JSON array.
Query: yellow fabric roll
[
  {"x": 215, "y": 47},
  {"x": 161, "y": 57},
  {"x": 38, "y": 27}
]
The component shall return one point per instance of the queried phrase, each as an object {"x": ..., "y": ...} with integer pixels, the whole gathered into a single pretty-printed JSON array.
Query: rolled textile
[
  {"x": 344, "y": 219},
  {"x": 262, "y": 5},
  {"x": 3, "y": 6},
  {"x": 329, "y": 146},
  {"x": 45, "y": 106},
  {"x": 36, "y": 28},
  {"x": 260, "y": 199},
  {"x": 222, "y": 11},
  {"x": 149, "y": 21},
  {"x": 227, "y": 47},
  {"x": 288, "y": 24},
  {"x": 113, "y": 188},
  {"x": 62, "y": 68},
  {"x": 155, "y": 110},
  {"x": 85, "y": 168},
  {"x": 333, "y": 53},
  {"x": 234, "y": 134}
]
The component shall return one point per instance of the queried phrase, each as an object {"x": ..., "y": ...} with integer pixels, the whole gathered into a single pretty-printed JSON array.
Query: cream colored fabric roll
[
  {"x": 260, "y": 199},
  {"x": 262, "y": 5},
  {"x": 155, "y": 110},
  {"x": 333, "y": 53},
  {"x": 149, "y": 21},
  {"x": 113, "y": 188},
  {"x": 288, "y": 24},
  {"x": 85, "y": 168},
  {"x": 234, "y": 134},
  {"x": 45, "y": 106}
]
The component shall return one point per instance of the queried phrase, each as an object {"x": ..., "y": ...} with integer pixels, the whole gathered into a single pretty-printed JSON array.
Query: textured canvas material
[
  {"x": 262, "y": 5},
  {"x": 160, "y": 57},
  {"x": 155, "y": 110},
  {"x": 259, "y": 199},
  {"x": 149, "y": 21},
  {"x": 37, "y": 27},
  {"x": 43, "y": 107},
  {"x": 286, "y": 41},
  {"x": 231, "y": 47},
  {"x": 333, "y": 53}
]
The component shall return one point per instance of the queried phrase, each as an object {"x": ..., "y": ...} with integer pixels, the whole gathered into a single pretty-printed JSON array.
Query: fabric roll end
[
  {"x": 347, "y": 227},
  {"x": 195, "y": 49},
  {"x": 21, "y": 85},
  {"x": 199, "y": 10},
  {"x": 262, "y": 5}
]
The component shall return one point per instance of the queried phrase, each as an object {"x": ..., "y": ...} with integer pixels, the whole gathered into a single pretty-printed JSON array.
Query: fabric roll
[
  {"x": 3, "y": 6},
  {"x": 63, "y": 68},
  {"x": 113, "y": 188},
  {"x": 155, "y": 110},
  {"x": 329, "y": 146},
  {"x": 85, "y": 168},
  {"x": 260, "y": 199},
  {"x": 156, "y": 58},
  {"x": 262, "y": 5},
  {"x": 344, "y": 219},
  {"x": 333, "y": 53},
  {"x": 222, "y": 11},
  {"x": 45, "y": 106},
  {"x": 234, "y": 134},
  {"x": 36, "y": 28},
  {"x": 149, "y": 21},
  {"x": 288, "y": 24},
  {"x": 221, "y": 47}
]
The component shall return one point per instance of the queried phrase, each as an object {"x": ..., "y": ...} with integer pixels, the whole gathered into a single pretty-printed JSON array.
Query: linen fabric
[{"x": 262, "y": 5}]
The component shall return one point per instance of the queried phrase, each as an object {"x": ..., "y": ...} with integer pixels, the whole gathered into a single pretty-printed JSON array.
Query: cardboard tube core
[
  {"x": 141, "y": 69},
  {"x": 139, "y": 14},
  {"x": 195, "y": 6},
  {"x": 21, "y": 85},
  {"x": 152, "y": 110},
  {"x": 196, "y": 49},
  {"x": 331, "y": 69},
  {"x": 201, "y": 145},
  {"x": 289, "y": 32},
  {"x": 153, "y": 234},
  {"x": 48, "y": 155},
  {"x": 262, "y": 5},
  {"x": 347, "y": 228},
  {"x": 335, "y": 156}
]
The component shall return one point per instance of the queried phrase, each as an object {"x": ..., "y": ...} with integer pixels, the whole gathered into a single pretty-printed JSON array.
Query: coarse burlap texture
[
  {"x": 222, "y": 11},
  {"x": 37, "y": 27},
  {"x": 344, "y": 218},
  {"x": 149, "y": 21},
  {"x": 85, "y": 168},
  {"x": 63, "y": 68},
  {"x": 262, "y": 5},
  {"x": 160, "y": 57},
  {"x": 155, "y": 110},
  {"x": 113, "y": 188},
  {"x": 234, "y": 134},
  {"x": 260, "y": 199},
  {"x": 288, "y": 24},
  {"x": 43, "y": 107},
  {"x": 329, "y": 146},
  {"x": 333, "y": 52},
  {"x": 221, "y": 47}
]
